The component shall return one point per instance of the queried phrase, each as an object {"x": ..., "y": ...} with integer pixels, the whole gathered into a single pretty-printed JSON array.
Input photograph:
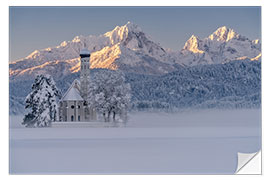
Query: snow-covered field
[{"x": 190, "y": 142}]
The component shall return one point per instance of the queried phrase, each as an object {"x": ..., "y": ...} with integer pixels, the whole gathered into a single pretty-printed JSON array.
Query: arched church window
[
  {"x": 72, "y": 118},
  {"x": 79, "y": 118}
]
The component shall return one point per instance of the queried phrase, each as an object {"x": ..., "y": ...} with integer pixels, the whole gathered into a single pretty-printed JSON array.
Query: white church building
[{"x": 73, "y": 104}]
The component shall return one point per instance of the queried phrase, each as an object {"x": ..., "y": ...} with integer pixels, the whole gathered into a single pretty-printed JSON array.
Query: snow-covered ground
[{"x": 191, "y": 142}]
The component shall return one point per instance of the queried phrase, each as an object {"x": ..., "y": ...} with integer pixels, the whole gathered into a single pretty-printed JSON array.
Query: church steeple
[{"x": 85, "y": 72}]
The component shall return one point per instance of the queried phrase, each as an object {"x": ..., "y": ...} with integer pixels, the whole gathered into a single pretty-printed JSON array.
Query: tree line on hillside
[{"x": 232, "y": 85}]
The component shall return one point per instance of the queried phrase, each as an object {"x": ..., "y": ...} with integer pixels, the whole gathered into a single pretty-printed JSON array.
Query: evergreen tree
[
  {"x": 42, "y": 102},
  {"x": 109, "y": 94}
]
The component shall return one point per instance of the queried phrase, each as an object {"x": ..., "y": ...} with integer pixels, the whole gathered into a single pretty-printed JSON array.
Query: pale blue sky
[{"x": 34, "y": 28}]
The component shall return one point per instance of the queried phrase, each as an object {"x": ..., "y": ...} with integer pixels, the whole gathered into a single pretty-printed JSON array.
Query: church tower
[{"x": 85, "y": 72}]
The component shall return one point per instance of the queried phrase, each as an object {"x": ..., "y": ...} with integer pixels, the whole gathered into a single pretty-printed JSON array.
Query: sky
[{"x": 34, "y": 28}]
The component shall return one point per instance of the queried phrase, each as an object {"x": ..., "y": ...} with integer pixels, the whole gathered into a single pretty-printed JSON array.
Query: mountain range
[
  {"x": 129, "y": 49},
  {"x": 221, "y": 70}
]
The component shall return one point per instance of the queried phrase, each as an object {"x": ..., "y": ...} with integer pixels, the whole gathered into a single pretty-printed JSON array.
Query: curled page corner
[{"x": 249, "y": 163}]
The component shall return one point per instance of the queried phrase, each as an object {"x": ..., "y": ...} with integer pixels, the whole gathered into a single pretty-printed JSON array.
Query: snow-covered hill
[
  {"x": 236, "y": 84},
  {"x": 128, "y": 48}
]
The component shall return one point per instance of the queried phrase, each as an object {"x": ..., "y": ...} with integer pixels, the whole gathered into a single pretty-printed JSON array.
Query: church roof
[{"x": 73, "y": 94}]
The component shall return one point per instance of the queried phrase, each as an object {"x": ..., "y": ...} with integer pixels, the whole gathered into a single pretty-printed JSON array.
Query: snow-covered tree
[
  {"x": 42, "y": 102},
  {"x": 109, "y": 94}
]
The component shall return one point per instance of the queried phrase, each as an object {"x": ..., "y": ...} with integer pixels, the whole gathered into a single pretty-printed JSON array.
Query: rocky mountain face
[
  {"x": 128, "y": 48},
  {"x": 224, "y": 45},
  {"x": 122, "y": 48}
]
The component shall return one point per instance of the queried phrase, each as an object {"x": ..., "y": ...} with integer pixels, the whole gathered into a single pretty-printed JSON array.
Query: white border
[{"x": 265, "y": 78}]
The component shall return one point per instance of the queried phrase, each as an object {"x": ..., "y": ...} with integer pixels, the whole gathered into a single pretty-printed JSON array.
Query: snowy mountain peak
[
  {"x": 132, "y": 27},
  {"x": 33, "y": 55},
  {"x": 193, "y": 38},
  {"x": 128, "y": 48},
  {"x": 77, "y": 38},
  {"x": 121, "y": 33},
  {"x": 64, "y": 43},
  {"x": 223, "y": 34},
  {"x": 132, "y": 37},
  {"x": 192, "y": 44},
  {"x": 224, "y": 45}
]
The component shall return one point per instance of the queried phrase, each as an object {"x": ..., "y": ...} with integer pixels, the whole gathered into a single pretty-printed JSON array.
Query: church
[{"x": 73, "y": 105}]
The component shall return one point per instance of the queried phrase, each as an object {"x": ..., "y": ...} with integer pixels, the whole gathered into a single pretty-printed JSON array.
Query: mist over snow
[{"x": 187, "y": 142}]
